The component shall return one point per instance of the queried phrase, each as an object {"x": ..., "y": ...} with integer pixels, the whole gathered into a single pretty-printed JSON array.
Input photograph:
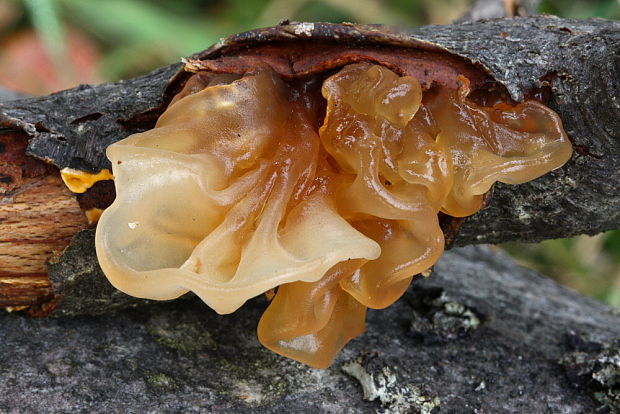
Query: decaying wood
[
  {"x": 35, "y": 223},
  {"x": 38, "y": 218},
  {"x": 544, "y": 57}
]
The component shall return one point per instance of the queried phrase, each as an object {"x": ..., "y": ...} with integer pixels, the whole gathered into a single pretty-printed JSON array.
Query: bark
[{"x": 481, "y": 335}]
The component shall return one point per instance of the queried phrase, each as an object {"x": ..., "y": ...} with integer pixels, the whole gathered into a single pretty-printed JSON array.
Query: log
[
  {"x": 545, "y": 57},
  {"x": 481, "y": 335}
]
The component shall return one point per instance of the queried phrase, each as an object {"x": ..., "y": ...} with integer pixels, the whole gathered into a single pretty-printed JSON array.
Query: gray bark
[
  {"x": 480, "y": 335},
  {"x": 72, "y": 128}
]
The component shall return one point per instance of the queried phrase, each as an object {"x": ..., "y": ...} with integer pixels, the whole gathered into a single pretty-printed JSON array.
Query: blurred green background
[{"x": 48, "y": 45}]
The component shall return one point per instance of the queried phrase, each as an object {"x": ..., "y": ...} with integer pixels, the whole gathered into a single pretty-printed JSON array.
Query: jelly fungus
[{"x": 248, "y": 183}]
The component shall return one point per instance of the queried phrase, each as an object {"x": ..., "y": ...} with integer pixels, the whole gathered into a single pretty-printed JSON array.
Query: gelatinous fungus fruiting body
[{"x": 328, "y": 188}]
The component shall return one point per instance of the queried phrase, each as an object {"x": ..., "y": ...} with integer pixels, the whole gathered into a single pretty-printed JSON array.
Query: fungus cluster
[{"x": 250, "y": 183}]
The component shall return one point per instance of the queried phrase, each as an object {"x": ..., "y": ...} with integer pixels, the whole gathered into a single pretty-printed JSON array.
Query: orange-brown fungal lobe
[{"x": 248, "y": 183}]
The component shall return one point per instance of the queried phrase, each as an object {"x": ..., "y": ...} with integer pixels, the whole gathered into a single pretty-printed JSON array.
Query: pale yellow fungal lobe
[
  {"x": 249, "y": 184},
  {"x": 79, "y": 181}
]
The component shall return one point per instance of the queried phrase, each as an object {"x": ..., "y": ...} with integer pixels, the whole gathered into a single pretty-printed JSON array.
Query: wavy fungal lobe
[{"x": 327, "y": 189}]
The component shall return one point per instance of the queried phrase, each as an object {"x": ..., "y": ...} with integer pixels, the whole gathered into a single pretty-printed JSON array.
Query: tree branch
[{"x": 550, "y": 58}]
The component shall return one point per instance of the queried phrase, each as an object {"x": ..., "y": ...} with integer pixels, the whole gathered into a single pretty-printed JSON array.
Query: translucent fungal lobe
[{"x": 248, "y": 183}]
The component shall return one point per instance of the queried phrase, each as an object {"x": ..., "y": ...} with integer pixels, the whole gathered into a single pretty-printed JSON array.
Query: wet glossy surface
[{"x": 235, "y": 192}]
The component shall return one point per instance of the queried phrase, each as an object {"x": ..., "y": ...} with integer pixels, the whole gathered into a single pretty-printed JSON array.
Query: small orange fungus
[{"x": 79, "y": 181}]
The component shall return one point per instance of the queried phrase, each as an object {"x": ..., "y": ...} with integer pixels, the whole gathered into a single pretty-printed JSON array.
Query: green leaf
[{"x": 139, "y": 22}]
